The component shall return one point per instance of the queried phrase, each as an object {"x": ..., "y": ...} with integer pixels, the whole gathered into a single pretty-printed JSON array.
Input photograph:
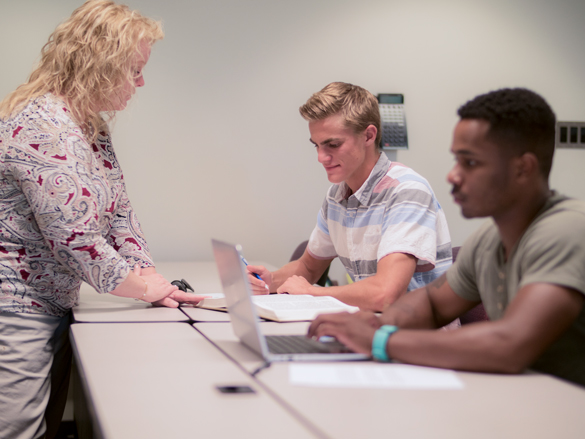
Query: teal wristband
[{"x": 380, "y": 341}]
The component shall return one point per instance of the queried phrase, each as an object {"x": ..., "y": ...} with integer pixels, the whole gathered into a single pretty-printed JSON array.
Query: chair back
[{"x": 324, "y": 279}]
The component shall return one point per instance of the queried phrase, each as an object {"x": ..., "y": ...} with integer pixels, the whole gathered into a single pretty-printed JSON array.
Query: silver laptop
[{"x": 244, "y": 319}]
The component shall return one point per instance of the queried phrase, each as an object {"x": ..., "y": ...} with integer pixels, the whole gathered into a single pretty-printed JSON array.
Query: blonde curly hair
[{"x": 87, "y": 61}]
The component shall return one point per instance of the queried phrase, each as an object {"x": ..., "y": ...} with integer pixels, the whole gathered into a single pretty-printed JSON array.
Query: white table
[
  {"x": 100, "y": 308},
  {"x": 490, "y": 406},
  {"x": 205, "y": 315},
  {"x": 201, "y": 275},
  {"x": 153, "y": 381},
  {"x": 118, "y": 363}
]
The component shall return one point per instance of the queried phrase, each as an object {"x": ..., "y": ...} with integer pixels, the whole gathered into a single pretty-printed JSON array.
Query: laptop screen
[{"x": 234, "y": 279}]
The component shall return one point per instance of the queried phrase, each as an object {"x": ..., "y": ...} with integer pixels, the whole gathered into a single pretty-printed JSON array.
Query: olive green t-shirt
[{"x": 552, "y": 250}]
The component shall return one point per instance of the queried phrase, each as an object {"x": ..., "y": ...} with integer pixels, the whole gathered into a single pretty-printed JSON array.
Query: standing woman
[{"x": 65, "y": 217}]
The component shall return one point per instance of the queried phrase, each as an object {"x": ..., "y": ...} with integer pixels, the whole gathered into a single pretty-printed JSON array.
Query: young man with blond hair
[{"x": 380, "y": 217}]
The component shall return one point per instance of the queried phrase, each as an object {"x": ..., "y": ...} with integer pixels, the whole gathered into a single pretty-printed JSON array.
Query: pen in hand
[{"x": 254, "y": 274}]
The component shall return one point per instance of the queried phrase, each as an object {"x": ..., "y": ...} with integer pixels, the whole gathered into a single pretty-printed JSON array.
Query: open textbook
[{"x": 285, "y": 307}]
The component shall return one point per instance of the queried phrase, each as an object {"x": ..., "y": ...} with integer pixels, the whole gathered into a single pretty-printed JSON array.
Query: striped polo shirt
[{"x": 395, "y": 211}]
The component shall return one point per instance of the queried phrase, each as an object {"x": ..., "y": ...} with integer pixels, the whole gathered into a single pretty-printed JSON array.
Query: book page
[
  {"x": 292, "y": 302},
  {"x": 284, "y": 307},
  {"x": 213, "y": 301}
]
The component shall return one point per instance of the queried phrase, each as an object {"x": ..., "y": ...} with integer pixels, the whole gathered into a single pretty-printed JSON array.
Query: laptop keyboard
[{"x": 299, "y": 344}]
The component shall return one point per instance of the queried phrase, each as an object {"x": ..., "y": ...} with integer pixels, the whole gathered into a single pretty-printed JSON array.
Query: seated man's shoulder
[
  {"x": 401, "y": 178},
  {"x": 404, "y": 173},
  {"x": 571, "y": 206},
  {"x": 566, "y": 217}
]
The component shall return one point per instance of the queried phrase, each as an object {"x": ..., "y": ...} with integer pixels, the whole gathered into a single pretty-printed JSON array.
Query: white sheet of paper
[{"x": 372, "y": 375}]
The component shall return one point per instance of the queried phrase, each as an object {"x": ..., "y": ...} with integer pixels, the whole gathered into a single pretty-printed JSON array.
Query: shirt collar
[{"x": 364, "y": 193}]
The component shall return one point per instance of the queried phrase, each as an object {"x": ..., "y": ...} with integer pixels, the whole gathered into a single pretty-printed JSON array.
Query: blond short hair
[
  {"x": 357, "y": 105},
  {"x": 87, "y": 60}
]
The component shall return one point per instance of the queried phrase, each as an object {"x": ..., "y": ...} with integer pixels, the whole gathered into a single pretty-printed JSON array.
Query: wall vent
[{"x": 570, "y": 135}]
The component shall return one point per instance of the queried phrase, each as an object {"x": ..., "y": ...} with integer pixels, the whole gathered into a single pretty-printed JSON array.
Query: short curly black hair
[{"x": 520, "y": 121}]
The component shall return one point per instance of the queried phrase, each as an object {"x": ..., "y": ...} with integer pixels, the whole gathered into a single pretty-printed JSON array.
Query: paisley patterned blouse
[{"x": 65, "y": 216}]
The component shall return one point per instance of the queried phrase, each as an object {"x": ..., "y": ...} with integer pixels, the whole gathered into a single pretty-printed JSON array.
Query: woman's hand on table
[{"x": 160, "y": 292}]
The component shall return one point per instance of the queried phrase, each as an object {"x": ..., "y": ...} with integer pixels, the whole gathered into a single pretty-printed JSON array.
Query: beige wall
[{"x": 213, "y": 146}]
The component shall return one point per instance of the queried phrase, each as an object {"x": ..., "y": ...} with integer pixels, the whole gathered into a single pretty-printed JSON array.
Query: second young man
[{"x": 379, "y": 217}]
